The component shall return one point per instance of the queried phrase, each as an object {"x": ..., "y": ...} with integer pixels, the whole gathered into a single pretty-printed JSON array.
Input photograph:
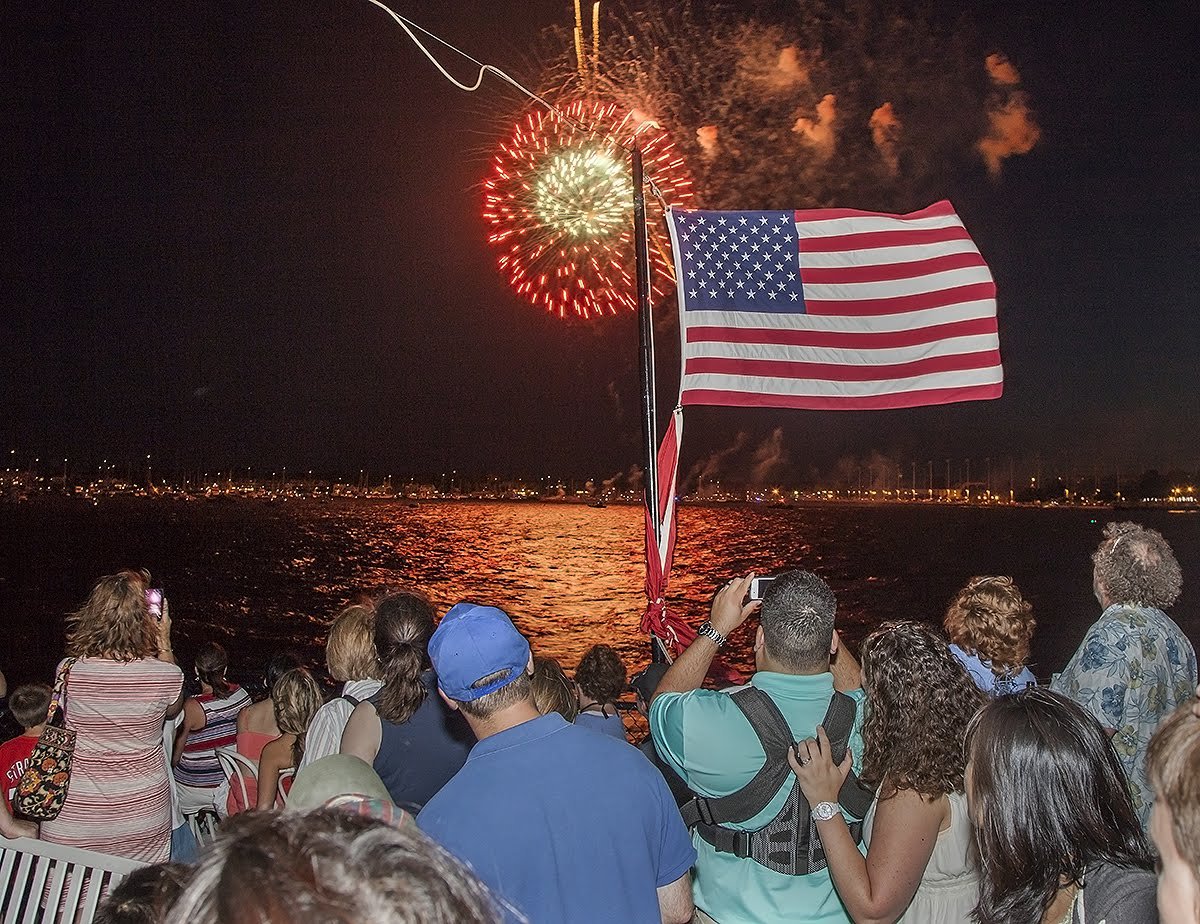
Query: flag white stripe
[
  {"x": 884, "y": 255},
  {"x": 837, "y": 227},
  {"x": 753, "y": 384},
  {"x": 951, "y": 346},
  {"x": 873, "y": 324},
  {"x": 891, "y": 288}
]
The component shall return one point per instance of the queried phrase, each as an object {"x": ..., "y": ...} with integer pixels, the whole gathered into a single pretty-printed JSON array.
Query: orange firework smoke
[{"x": 869, "y": 105}]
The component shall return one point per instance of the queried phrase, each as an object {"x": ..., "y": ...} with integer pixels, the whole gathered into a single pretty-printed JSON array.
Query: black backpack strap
[
  {"x": 789, "y": 843},
  {"x": 352, "y": 700},
  {"x": 776, "y": 738},
  {"x": 854, "y": 797}
]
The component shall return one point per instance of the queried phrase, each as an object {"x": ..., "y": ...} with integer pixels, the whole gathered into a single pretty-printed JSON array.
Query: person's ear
[
  {"x": 759, "y": 640},
  {"x": 447, "y": 700},
  {"x": 833, "y": 645},
  {"x": 529, "y": 665}
]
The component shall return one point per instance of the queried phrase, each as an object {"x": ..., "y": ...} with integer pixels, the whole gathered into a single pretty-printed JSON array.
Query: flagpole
[{"x": 645, "y": 342}]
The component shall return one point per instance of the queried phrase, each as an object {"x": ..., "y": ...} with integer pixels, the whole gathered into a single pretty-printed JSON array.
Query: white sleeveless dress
[{"x": 949, "y": 889}]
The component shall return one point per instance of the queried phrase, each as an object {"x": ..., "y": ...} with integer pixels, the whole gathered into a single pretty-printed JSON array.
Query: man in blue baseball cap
[{"x": 563, "y": 823}]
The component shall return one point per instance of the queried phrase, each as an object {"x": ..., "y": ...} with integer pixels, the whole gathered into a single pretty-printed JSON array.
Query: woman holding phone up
[{"x": 120, "y": 688}]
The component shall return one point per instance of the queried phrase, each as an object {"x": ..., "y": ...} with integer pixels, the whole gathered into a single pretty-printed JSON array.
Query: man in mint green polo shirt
[{"x": 709, "y": 741}]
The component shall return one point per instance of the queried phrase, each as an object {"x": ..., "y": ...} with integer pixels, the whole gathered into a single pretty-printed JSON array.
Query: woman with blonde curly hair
[
  {"x": 990, "y": 625},
  {"x": 121, "y": 685},
  {"x": 297, "y": 698},
  {"x": 919, "y": 865}
]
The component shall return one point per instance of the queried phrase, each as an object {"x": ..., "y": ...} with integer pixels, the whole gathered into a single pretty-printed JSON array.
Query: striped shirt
[{"x": 198, "y": 765}]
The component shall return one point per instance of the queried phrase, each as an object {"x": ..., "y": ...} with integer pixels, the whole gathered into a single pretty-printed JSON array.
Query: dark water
[{"x": 258, "y": 577}]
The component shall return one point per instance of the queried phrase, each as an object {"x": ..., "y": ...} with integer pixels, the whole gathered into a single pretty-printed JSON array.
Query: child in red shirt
[{"x": 28, "y": 704}]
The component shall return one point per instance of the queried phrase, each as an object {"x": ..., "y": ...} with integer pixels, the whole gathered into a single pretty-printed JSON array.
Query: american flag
[{"x": 833, "y": 309}]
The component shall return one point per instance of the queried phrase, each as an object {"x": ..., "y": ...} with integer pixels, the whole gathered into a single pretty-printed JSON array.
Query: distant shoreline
[{"x": 591, "y": 502}]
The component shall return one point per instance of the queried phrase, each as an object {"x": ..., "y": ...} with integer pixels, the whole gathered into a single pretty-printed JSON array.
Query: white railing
[{"x": 43, "y": 882}]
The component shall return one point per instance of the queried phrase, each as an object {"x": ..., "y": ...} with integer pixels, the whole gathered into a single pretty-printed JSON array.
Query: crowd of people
[{"x": 455, "y": 775}]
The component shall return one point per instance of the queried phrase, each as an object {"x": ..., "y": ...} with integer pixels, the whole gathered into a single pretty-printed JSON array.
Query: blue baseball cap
[{"x": 473, "y": 642}]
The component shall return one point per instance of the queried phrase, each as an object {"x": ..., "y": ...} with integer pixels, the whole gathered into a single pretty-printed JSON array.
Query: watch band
[
  {"x": 706, "y": 629},
  {"x": 823, "y": 811}
]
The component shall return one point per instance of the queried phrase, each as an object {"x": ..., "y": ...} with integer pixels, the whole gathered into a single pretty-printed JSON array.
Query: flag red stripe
[
  {"x": 867, "y": 240},
  {"x": 938, "y": 209},
  {"x": 882, "y": 272},
  {"x": 835, "y": 372},
  {"x": 942, "y": 298},
  {"x": 847, "y": 340},
  {"x": 835, "y": 403}
]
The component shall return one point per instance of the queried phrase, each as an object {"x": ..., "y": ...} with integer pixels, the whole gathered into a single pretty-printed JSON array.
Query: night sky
[{"x": 250, "y": 234}]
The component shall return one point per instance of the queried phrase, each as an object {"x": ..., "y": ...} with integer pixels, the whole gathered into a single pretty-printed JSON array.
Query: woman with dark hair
[
  {"x": 406, "y": 731},
  {"x": 600, "y": 679},
  {"x": 990, "y": 626},
  {"x": 1058, "y": 837},
  {"x": 209, "y": 722},
  {"x": 121, "y": 687},
  {"x": 919, "y": 866}
]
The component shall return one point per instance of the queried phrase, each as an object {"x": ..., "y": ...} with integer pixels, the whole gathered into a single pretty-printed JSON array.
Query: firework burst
[{"x": 559, "y": 200}]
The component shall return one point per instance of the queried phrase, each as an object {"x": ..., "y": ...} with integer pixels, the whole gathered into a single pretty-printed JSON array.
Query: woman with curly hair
[
  {"x": 990, "y": 625},
  {"x": 600, "y": 679},
  {"x": 297, "y": 698},
  {"x": 918, "y": 866},
  {"x": 122, "y": 684},
  {"x": 1059, "y": 841},
  {"x": 1134, "y": 665}
]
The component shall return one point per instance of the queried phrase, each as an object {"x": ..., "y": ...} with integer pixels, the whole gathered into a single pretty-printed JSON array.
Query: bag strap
[
  {"x": 58, "y": 698},
  {"x": 352, "y": 700}
]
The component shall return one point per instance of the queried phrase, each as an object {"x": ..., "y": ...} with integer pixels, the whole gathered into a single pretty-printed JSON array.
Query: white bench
[{"x": 36, "y": 874}]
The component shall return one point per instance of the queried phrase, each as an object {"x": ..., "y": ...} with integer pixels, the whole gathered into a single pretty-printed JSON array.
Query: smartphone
[
  {"x": 758, "y": 586},
  {"x": 154, "y": 601}
]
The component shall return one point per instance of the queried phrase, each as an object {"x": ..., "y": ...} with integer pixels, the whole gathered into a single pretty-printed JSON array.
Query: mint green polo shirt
[{"x": 710, "y": 743}]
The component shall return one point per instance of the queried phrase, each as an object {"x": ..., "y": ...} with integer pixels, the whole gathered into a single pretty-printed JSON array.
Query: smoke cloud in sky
[
  {"x": 1002, "y": 71},
  {"x": 770, "y": 459},
  {"x": 819, "y": 133},
  {"x": 885, "y": 132},
  {"x": 1012, "y": 129},
  {"x": 867, "y": 106},
  {"x": 741, "y": 465}
]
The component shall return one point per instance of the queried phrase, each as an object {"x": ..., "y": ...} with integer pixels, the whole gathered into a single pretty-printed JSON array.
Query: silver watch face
[{"x": 823, "y": 811}]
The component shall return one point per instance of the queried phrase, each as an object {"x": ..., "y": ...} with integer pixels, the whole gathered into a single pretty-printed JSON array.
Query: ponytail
[
  {"x": 403, "y": 625},
  {"x": 211, "y": 664}
]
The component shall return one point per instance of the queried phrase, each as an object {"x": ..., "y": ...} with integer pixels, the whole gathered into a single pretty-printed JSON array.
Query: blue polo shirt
[
  {"x": 563, "y": 824},
  {"x": 605, "y": 724},
  {"x": 708, "y": 741}
]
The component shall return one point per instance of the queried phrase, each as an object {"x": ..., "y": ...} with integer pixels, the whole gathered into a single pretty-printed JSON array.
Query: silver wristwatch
[
  {"x": 823, "y": 811},
  {"x": 706, "y": 629}
]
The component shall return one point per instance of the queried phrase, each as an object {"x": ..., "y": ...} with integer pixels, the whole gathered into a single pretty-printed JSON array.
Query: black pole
[{"x": 645, "y": 342}]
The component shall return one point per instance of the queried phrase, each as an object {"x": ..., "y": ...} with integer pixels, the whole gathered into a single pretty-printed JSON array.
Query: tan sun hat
[{"x": 332, "y": 776}]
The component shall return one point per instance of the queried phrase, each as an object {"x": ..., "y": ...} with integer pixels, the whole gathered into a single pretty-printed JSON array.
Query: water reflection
[{"x": 260, "y": 577}]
